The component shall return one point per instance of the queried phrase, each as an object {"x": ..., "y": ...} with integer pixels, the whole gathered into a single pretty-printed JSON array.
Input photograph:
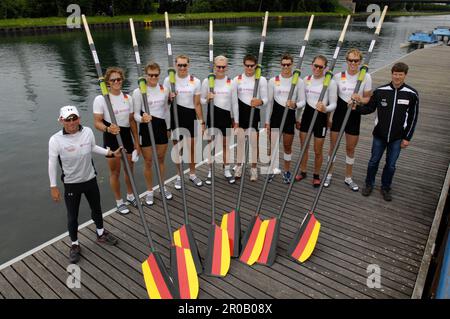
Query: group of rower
[{"x": 232, "y": 101}]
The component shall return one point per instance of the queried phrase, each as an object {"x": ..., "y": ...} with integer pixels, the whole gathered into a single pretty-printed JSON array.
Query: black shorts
[
  {"x": 222, "y": 119},
  {"x": 353, "y": 123},
  {"x": 159, "y": 132},
  {"x": 110, "y": 140},
  {"x": 186, "y": 119},
  {"x": 320, "y": 127},
  {"x": 244, "y": 116},
  {"x": 277, "y": 116}
]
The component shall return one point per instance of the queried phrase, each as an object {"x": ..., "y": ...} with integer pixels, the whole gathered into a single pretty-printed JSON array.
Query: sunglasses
[
  {"x": 353, "y": 60},
  {"x": 286, "y": 65},
  {"x": 150, "y": 75},
  {"x": 249, "y": 65},
  {"x": 318, "y": 66},
  {"x": 71, "y": 119},
  {"x": 115, "y": 80},
  {"x": 184, "y": 65},
  {"x": 221, "y": 66}
]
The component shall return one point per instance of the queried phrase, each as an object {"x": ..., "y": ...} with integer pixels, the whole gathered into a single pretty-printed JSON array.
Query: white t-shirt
[
  {"x": 245, "y": 85},
  {"x": 224, "y": 95},
  {"x": 346, "y": 84},
  {"x": 279, "y": 88},
  {"x": 186, "y": 89},
  {"x": 122, "y": 106},
  {"x": 157, "y": 98},
  {"x": 75, "y": 154},
  {"x": 313, "y": 87}
]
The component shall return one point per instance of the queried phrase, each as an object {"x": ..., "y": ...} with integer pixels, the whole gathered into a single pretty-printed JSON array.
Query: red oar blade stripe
[
  {"x": 217, "y": 262},
  {"x": 269, "y": 251},
  {"x": 180, "y": 237},
  {"x": 184, "y": 273},
  {"x": 157, "y": 280},
  {"x": 305, "y": 239},
  {"x": 232, "y": 223},
  {"x": 184, "y": 237},
  {"x": 253, "y": 241}
]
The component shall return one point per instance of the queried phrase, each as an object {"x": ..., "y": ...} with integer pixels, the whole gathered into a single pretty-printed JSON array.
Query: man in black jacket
[{"x": 397, "y": 106}]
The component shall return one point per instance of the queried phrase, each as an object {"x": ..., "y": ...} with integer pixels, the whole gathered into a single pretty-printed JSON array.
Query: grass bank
[{"x": 61, "y": 21}]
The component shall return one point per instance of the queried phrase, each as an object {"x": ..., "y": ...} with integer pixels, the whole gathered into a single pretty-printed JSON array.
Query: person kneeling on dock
[
  {"x": 397, "y": 106},
  {"x": 72, "y": 147}
]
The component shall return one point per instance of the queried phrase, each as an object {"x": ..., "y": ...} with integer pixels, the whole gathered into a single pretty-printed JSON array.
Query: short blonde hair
[
  {"x": 114, "y": 69},
  {"x": 182, "y": 56},
  {"x": 355, "y": 52},
  {"x": 220, "y": 58}
]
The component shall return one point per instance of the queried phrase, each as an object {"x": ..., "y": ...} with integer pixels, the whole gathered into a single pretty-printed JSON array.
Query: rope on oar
[
  {"x": 156, "y": 276},
  {"x": 184, "y": 236}
]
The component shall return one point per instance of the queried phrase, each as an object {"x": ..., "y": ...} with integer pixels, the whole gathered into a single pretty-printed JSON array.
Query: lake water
[{"x": 42, "y": 73}]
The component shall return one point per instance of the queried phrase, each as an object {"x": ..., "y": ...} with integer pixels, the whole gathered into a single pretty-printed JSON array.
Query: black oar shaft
[
  {"x": 143, "y": 88},
  {"x": 326, "y": 83},
  {"x": 361, "y": 76},
  {"x": 252, "y": 111},
  {"x": 295, "y": 77},
  {"x": 211, "y": 78},
  {"x": 175, "y": 116},
  {"x": 105, "y": 94}
]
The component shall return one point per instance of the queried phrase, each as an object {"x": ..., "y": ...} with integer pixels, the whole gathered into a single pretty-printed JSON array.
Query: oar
[
  {"x": 217, "y": 262},
  {"x": 157, "y": 280},
  {"x": 306, "y": 236},
  {"x": 268, "y": 251},
  {"x": 182, "y": 263},
  {"x": 245, "y": 256},
  {"x": 184, "y": 236}
]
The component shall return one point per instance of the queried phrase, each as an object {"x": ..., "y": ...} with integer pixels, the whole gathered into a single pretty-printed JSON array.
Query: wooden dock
[{"x": 356, "y": 231}]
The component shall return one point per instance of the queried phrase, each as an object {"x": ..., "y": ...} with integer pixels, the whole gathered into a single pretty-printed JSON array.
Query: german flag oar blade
[
  {"x": 157, "y": 280},
  {"x": 305, "y": 239},
  {"x": 269, "y": 250},
  {"x": 253, "y": 240},
  {"x": 218, "y": 257},
  {"x": 184, "y": 237},
  {"x": 232, "y": 223},
  {"x": 184, "y": 273}
]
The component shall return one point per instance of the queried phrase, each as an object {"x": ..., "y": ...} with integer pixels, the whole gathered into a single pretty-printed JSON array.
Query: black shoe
[
  {"x": 74, "y": 254},
  {"x": 367, "y": 190},
  {"x": 107, "y": 238},
  {"x": 386, "y": 194}
]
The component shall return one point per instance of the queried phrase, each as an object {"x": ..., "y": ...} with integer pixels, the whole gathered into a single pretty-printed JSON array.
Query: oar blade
[
  {"x": 184, "y": 273},
  {"x": 157, "y": 280},
  {"x": 269, "y": 250},
  {"x": 232, "y": 223},
  {"x": 305, "y": 239},
  {"x": 184, "y": 237},
  {"x": 217, "y": 262},
  {"x": 253, "y": 241}
]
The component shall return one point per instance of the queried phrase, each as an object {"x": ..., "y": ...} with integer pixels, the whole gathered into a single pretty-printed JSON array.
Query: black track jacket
[{"x": 397, "y": 112}]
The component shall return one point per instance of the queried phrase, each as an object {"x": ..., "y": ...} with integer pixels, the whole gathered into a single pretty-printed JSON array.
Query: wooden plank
[
  {"x": 34, "y": 281},
  {"x": 24, "y": 289},
  {"x": 7, "y": 290}
]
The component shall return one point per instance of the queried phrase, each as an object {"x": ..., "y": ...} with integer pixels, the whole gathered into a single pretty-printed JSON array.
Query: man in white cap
[{"x": 72, "y": 147}]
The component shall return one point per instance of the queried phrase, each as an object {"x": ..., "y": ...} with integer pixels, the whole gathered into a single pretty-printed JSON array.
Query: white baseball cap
[{"x": 67, "y": 111}]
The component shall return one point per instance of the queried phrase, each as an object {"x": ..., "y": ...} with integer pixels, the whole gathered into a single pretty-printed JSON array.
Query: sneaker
[
  {"x": 74, "y": 254},
  {"x": 386, "y": 194},
  {"x": 107, "y": 238},
  {"x": 178, "y": 183},
  {"x": 327, "y": 181},
  {"x": 316, "y": 182},
  {"x": 271, "y": 177},
  {"x": 229, "y": 176},
  {"x": 208, "y": 179},
  {"x": 352, "y": 185},
  {"x": 253, "y": 174},
  {"x": 149, "y": 199},
  {"x": 132, "y": 202},
  {"x": 168, "y": 194},
  {"x": 197, "y": 181},
  {"x": 298, "y": 178},
  {"x": 238, "y": 171},
  {"x": 122, "y": 208},
  {"x": 287, "y": 177},
  {"x": 367, "y": 190}
]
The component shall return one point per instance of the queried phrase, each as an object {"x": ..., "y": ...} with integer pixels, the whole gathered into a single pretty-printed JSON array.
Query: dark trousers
[
  {"x": 392, "y": 153},
  {"x": 72, "y": 197}
]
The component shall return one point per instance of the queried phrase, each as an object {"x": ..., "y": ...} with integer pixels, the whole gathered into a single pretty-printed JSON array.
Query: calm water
[{"x": 42, "y": 73}]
